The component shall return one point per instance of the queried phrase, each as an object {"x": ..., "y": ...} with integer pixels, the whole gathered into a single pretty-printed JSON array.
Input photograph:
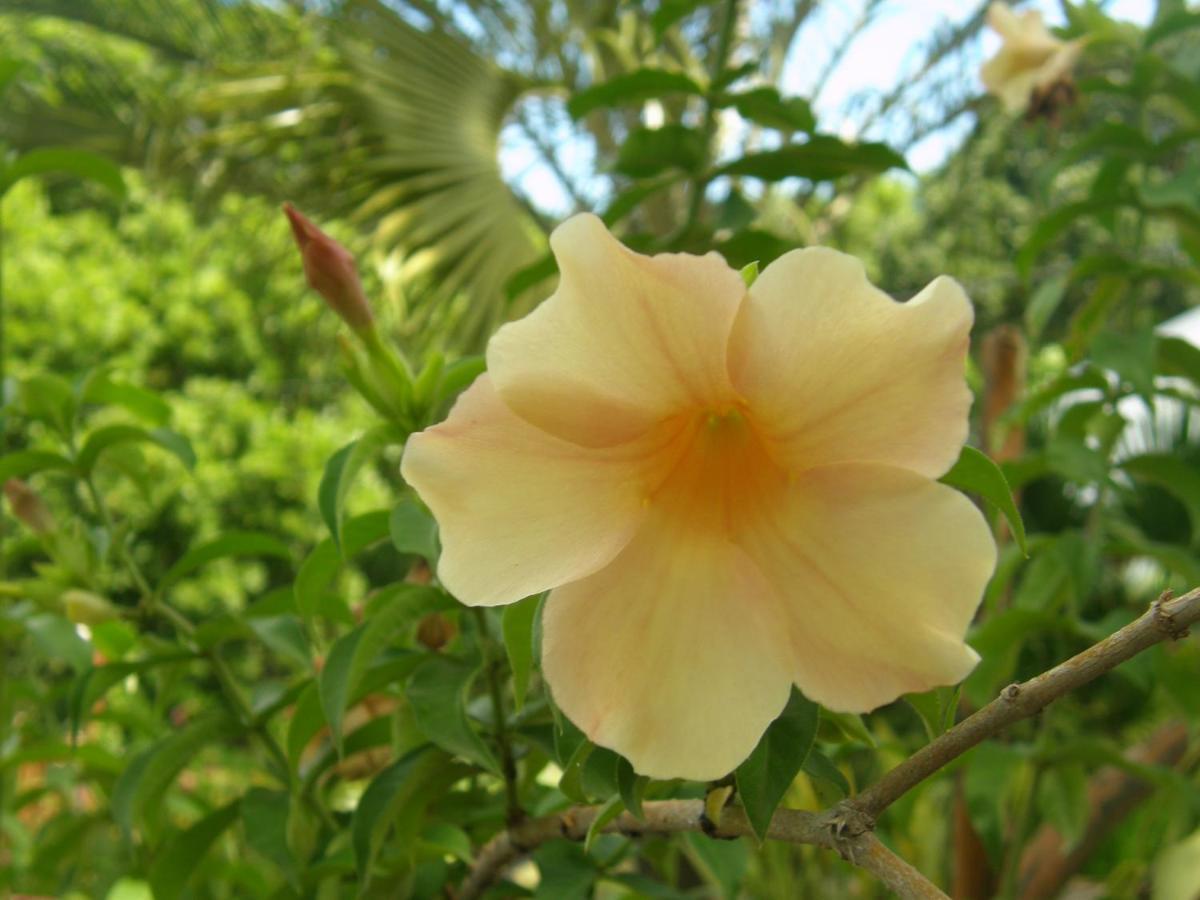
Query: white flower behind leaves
[
  {"x": 726, "y": 491},
  {"x": 1030, "y": 61}
]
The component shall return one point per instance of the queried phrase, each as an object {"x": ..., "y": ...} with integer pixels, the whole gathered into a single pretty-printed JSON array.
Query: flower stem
[{"x": 508, "y": 765}]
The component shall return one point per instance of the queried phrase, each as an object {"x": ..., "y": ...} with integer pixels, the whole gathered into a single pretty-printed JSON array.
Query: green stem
[{"x": 508, "y": 763}]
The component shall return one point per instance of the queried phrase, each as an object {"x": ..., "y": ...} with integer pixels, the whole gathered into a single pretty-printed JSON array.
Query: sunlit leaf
[{"x": 976, "y": 473}]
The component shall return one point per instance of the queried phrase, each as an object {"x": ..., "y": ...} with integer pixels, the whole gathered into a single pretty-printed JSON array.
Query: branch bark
[
  {"x": 848, "y": 827},
  {"x": 829, "y": 830},
  {"x": 1167, "y": 618}
]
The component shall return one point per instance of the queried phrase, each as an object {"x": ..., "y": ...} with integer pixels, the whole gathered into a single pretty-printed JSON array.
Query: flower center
[{"x": 720, "y": 473}]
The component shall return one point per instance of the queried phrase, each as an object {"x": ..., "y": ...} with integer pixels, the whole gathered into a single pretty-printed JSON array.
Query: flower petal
[
  {"x": 834, "y": 370},
  {"x": 879, "y": 572},
  {"x": 521, "y": 511},
  {"x": 624, "y": 342},
  {"x": 672, "y": 655}
]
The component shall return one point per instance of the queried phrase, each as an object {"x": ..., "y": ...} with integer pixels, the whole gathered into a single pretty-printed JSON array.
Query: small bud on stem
[
  {"x": 331, "y": 272},
  {"x": 28, "y": 507}
]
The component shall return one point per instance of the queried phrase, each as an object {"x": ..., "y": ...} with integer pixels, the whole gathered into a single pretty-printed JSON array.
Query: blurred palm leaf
[{"x": 351, "y": 111}]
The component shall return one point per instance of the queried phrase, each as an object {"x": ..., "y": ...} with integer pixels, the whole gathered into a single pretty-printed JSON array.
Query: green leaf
[
  {"x": 64, "y": 160},
  {"x": 1043, "y": 302},
  {"x": 1130, "y": 354},
  {"x": 324, "y": 562},
  {"x": 50, "y": 399},
  {"x": 818, "y": 765},
  {"x": 671, "y": 11},
  {"x": 29, "y": 462},
  {"x": 1062, "y": 800},
  {"x": 147, "y": 405},
  {"x": 230, "y": 544},
  {"x": 631, "y": 786},
  {"x": 437, "y": 692},
  {"x": 765, "y": 106},
  {"x": 722, "y": 864},
  {"x": 769, "y": 771},
  {"x": 936, "y": 708},
  {"x": 566, "y": 871},
  {"x": 632, "y": 197},
  {"x": 340, "y": 472},
  {"x": 631, "y": 87},
  {"x": 395, "y": 612},
  {"x": 1048, "y": 230},
  {"x": 530, "y": 276},
  {"x": 1168, "y": 26},
  {"x": 58, "y": 641},
  {"x": 174, "y": 866},
  {"x": 307, "y": 719},
  {"x": 395, "y": 799},
  {"x": 1176, "y": 475},
  {"x": 460, "y": 374},
  {"x": 413, "y": 530},
  {"x": 149, "y": 775},
  {"x": 265, "y": 820},
  {"x": 821, "y": 158},
  {"x": 517, "y": 629},
  {"x": 1174, "y": 356},
  {"x": 113, "y": 435},
  {"x": 1177, "y": 870},
  {"x": 976, "y": 473},
  {"x": 649, "y": 151},
  {"x": 8, "y": 71},
  {"x": 92, "y": 683},
  {"x": 609, "y": 811}
]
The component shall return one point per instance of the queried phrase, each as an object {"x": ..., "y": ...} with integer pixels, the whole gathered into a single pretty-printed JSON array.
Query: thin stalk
[{"x": 508, "y": 765}]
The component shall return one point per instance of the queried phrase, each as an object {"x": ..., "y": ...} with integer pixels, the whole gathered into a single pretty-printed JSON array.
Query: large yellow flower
[
  {"x": 1030, "y": 58},
  {"x": 727, "y": 491}
]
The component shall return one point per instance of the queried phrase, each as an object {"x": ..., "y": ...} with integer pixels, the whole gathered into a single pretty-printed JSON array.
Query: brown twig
[
  {"x": 848, "y": 827},
  {"x": 1167, "y": 618},
  {"x": 830, "y": 830}
]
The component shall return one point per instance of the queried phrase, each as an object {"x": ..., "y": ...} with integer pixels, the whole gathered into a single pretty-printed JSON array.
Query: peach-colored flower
[
  {"x": 1030, "y": 59},
  {"x": 727, "y": 491},
  {"x": 331, "y": 271}
]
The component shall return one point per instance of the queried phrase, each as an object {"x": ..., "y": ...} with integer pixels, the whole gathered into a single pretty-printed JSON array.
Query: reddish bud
[
  {"x": 28, "y": 507},
  {"x": 436, "y": 631},
  {"x": 331, "y": 272}
]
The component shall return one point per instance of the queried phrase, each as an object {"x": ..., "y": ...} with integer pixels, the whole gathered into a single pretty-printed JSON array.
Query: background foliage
[{"x": 224, "y": 670}]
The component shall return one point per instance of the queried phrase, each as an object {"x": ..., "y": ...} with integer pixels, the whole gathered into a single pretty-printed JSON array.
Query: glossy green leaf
[
  {"x": 231, "y": 544},
  {"x": 821, "y": 158},
  {"x": 64, "y": 161},
  {"x": 349, "y": 658},
  {"x": 175, "y": 864},
  {"x": 818, "y": 765},
  {"x": 650, "y": 151},
  {"x": 612, "y": 808},
  {"x": 323, "y": 563},
  {"x": 413, "y": 530},
  {"x": 631, "y": 786},
  {"x": 977, "y": 474},
  {"x": 306, "y": 721},
  {"x": 629, "y": 88},
  {"x": 769, "y": 771},
  {"x": 765, "y": 106},
  {"x": 340, "y": 472},
  {"x": 437, "y": 692},
  {"x": 114, "y": 435},
  {"x": 517, "y": 629}
]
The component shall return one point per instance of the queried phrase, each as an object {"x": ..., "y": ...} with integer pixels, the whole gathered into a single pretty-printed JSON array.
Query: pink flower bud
[
  {"x": 28, "y": 507},
  {"x": 331, "y": 272}
]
